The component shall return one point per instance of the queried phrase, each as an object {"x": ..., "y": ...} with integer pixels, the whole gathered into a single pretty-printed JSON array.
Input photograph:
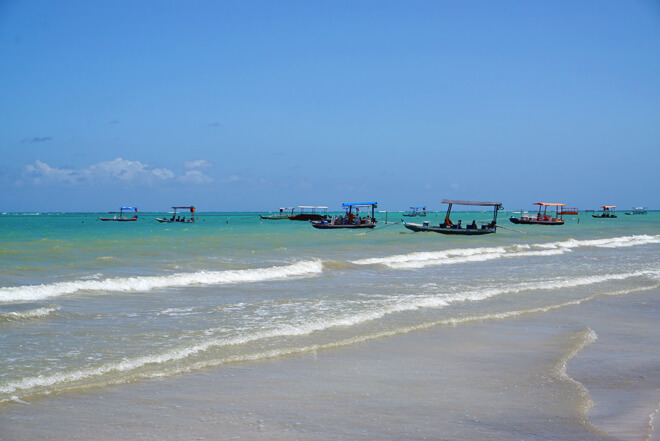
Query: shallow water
[{"x": 544, "y": 335}]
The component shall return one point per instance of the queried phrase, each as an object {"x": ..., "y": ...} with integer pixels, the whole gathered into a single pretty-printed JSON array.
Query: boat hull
[
  {"x": 307, "y": 217},
  {"x": 105, "y": 219},
  {"x": 449, "y": 231},
  {"x": 518, "y": 221},
  {"x": 275, "y": 217},
  {"x": 327, "y": 226},
  {"x": 600, "y": 216}
]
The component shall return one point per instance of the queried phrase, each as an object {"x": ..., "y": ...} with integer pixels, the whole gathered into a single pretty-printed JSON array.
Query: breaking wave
[
  {"x": 147, "y": 283},
  {"x": 464, "y": 255}
]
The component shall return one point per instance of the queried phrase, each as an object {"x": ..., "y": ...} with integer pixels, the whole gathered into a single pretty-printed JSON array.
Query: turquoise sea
[{"x": 539, "y": 333}]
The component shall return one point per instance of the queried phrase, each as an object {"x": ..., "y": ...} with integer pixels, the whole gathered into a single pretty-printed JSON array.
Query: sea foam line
[
  {"x": 480, "y": 254},
  {"x": 129, "y": 367},
  {"x": 29, "y": 314},
  {"x": 147, "y": 283}
]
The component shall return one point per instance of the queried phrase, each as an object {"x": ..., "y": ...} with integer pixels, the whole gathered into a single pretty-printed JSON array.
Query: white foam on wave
[
  {"x": 30, "y": 313},
  {"x": 132, "y": 366},
  {"x": 147, "y": 283},
  {"x": 480, "y": 254}
]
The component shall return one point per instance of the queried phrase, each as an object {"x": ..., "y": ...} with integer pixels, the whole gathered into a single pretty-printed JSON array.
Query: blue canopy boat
[{"x": 351, "y": 219}]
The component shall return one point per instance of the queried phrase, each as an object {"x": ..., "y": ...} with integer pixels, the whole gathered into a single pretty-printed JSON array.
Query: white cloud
[
  {"x": 108, "y": 171},
  {"x": 197, "y": 164},
  {"x": 195, "y": 177}
]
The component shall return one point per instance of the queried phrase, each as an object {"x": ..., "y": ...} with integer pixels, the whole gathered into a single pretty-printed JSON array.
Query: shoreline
[{"x": 447, "y": 382}]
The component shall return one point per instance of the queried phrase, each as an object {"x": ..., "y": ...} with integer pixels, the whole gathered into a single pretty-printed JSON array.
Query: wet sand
[{"x": 537, "y": 376}]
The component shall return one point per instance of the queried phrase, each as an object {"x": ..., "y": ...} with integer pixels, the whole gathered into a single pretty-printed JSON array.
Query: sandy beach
[{"x": 496, "y": 379}]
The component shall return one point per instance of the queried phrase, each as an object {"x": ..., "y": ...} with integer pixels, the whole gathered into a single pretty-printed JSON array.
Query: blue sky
[{"x": 253, "y": 105}]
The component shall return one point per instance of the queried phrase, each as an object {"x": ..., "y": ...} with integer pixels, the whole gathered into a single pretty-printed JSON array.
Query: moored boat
[
  {"x": 120, "y": 216},
  {"x": 174, "y": 218},
  {"x": 351, "y": 219},
  {"x": 636, "y": 211},
  {"x": 310, "y": 213},
  {"x": 416, "y": 211},
  {"x": 542, "y": 217},
  {"x": 449, "y": 227},
  {"x": 607, "y": 213},
  {"x": 283, "y": 214}
]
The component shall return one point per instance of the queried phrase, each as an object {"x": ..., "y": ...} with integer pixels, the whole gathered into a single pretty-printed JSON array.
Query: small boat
[
  {"x": 416, "y": 211},
  {"x": 120, "y": 216},
  {"x": 310, "y": 213},
  {"x": 636, "y": 210},
  {"x": 542, "y": 217},
  {"x": 175, "y": 218},
  {"x": 607, "y": 213},
  {"x": 351, "y": 219},
  {"x": 284, "y": 214},
  {"x": 449, "y": 227}
]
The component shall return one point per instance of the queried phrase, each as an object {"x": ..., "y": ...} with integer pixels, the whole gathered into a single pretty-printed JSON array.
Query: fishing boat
[
  {"x": 416, "y": 211},
  {"x": 542, "y": 217},
  {"x": 310, "y": 213},
  {"x": 449, "y": 227},
  {"x": 351, "y": 219},
  {"x": 179, "y": 218},
  {"x": 283, "y": 214},
  {"x": 122, "y": 215},
  {"x": 636, "y": 210},
  {"x": 607, "y": 213}
]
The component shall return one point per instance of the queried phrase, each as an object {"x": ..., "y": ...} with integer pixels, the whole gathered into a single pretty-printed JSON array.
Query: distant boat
[
  {"x": 310, "y": 213},
  {"x": 120, "y": 216},
  {"x": 449, "y": 227},
  {"x": 284, "y": 214},
  {"x": 416, "y": 211},
  {"x": 542, "y": 217},
  {"x": 351, "y": 219},
  {"x": 176, "y": 218},
  {"x": 637, "y": 210},
  {"x": 607, "y": 213}
]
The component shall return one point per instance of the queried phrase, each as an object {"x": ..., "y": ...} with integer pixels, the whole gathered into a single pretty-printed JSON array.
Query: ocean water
[{"x": 538, "y": 333}]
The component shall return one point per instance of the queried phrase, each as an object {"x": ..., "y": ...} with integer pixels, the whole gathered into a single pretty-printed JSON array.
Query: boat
[
  {"x": 351, "y": 219},
  {"x": 120, "y": 216},
  {"x": 310, "y": 213},
  {"x": 542, "y": 217},
  {"x": 176, "y": 218},
  {"x": 284, "y": 214},
  {"x": 636, "y": 210},
  {"x": 449, "y": 227},
  {"x": 416, "y": 211},
  {"x": 607, "y": 213}
]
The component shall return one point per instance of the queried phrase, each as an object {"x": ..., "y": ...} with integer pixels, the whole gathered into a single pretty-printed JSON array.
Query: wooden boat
[
  {"x": 449, "y": 227},
  {"x": 636, "y": 210},
  {"x": 120, "y": 216},
  {"x": 416, "y": 211},
  {"x": 310, "y": 213},
  {"x": 351, "y": 219},
  {"x": 542, "y": 217},
  {"x": 284, "y": 214},
  {"x": 175, "y": 218},
  {"x": 607, "y": 213}
]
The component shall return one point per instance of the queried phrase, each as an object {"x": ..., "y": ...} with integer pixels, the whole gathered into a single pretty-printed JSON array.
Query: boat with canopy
[
  {"x": 310, "y": 213},
  {"x": 351, "y": 219},
  {"x": 285, "y": 213},
  {"x": 122, "y": 215},
  {"x": 542, "y": 217},
  {"x": 636, "y": 210},
  {"x": 174, "y": 218},
  {"x": 449, "y": 227},
  {"x": 609, "y": 212},
  {"x": 416, "y": 211}
]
